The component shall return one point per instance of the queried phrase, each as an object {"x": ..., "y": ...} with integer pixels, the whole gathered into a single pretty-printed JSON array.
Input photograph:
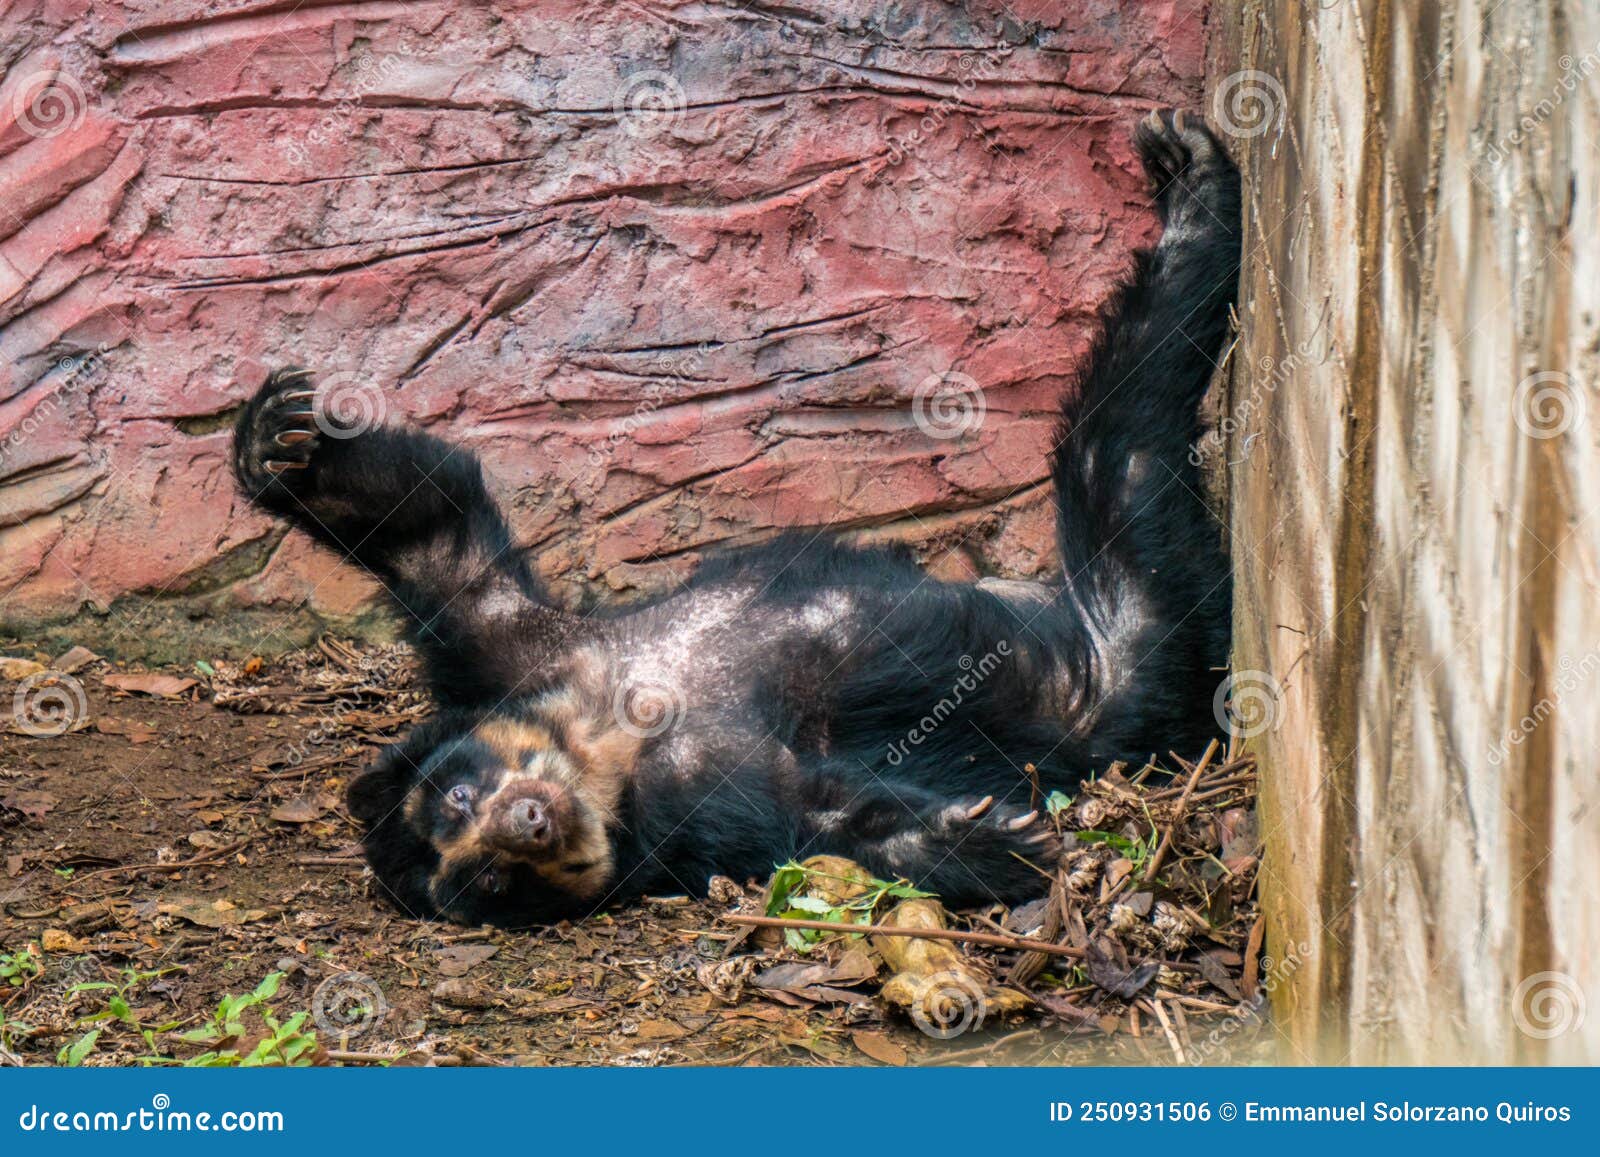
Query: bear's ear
[{"x": 379, "y": 790}]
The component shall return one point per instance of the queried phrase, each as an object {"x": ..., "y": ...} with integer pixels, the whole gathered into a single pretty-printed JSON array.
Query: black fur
[{"x": 815, "y": 698}]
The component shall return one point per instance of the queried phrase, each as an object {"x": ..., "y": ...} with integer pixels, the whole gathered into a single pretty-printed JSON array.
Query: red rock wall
[{"x": 681, "y": 273}]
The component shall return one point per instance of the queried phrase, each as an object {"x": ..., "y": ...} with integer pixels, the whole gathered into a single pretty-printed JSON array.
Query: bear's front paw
[
  {"x": 1192, "y": 173},
  {"x": 1022, "y": 832},
  {"x": 278, "y": 431}
]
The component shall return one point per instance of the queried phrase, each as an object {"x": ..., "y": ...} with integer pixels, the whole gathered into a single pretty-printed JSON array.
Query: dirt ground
[{"x": 173, "y": 839}]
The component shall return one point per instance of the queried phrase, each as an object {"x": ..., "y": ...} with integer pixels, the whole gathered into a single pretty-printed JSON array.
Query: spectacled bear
[{"x": 804, "y": 696}]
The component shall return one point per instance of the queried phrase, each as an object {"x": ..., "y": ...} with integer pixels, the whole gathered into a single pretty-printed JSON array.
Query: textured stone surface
[{"x": 676, "y": 270}]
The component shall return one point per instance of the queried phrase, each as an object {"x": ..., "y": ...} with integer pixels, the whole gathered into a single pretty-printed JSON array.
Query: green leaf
[
  {"x": 1121, "y": 843},
  {"x": 90, "y": 986},
  {"x": 204, "y": 668},
  {"x": 786, "y": 881},
  {"x": 1057, "y": 802},
  {"x": 268, "y": 988},
  {"x": 810, "y": 904},
  {"x": 78, "y": 1051}
]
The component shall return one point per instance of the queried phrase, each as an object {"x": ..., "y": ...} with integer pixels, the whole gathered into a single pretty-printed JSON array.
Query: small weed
[
  {"x": 18, "y": 968},
  {"x": 787, "y": 900},
  {"x": 74, "y": 1054},
  {"x": 119, "y": 1008},
  {"x": 1138, "y": 851},
  {"x": 282, "y": 1042},
  {"x": 12, "y": 1031}
]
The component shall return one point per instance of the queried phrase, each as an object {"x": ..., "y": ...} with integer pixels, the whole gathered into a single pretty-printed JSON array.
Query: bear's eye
[{"x": 460, "y": 798}]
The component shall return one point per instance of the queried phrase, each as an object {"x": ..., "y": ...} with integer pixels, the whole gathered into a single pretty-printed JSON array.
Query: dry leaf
[
  {"x": 58, "y": 940},
  {"x": 208, "y": 913},
  {"x": 661, "y": 1030},
  {"x": 33, "y": 805},
  {"x": 301, "y": 810},
  {"x": 933, "y": 980},
  {"x": 14, "y": 866},
  {"x": 11, "y": 670},
  {"x": 135, "y": 732},
  {"x": 879, "y": 1047},
  {"x": 458, "y": 959},
  {"x": 819, "y": 980},
  {"x": 150, "y": 684},
  {"x": 461, "y": 994},
  {"x": 57, "y": 725},
  {"x": 1108, "y": 968}
]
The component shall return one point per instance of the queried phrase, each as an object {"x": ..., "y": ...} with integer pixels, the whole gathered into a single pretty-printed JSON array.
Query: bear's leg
[
  {"x": 965, "y": 851},
  {"x": 412, "y": 510}
]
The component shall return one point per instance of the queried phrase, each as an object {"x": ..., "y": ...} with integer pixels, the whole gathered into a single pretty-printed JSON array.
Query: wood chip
[{"x": 75, "y": 660}]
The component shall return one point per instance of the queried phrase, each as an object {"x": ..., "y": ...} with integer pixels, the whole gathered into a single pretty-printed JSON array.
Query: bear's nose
[{"x": 528, "y": 821}]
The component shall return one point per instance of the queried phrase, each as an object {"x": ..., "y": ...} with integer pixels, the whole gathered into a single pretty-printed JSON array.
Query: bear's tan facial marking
[{"x": 581, "y": 760}]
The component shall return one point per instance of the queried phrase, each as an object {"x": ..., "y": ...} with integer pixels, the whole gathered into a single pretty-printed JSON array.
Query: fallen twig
[
  {"x": 1165, "y": 846},
  {"x": 1166, "y": 1024},
  {"x": 208, "y": 860},
  {"x": 964, "y": 1056},
  {"x": 993, "y": 940},
  {"x": 344, "y": 1057}
]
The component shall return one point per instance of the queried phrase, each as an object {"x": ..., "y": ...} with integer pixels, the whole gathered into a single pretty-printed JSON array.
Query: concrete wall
[
  {"x": 1415, "y": 478},
  {"x": 682, "y": 272}
]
